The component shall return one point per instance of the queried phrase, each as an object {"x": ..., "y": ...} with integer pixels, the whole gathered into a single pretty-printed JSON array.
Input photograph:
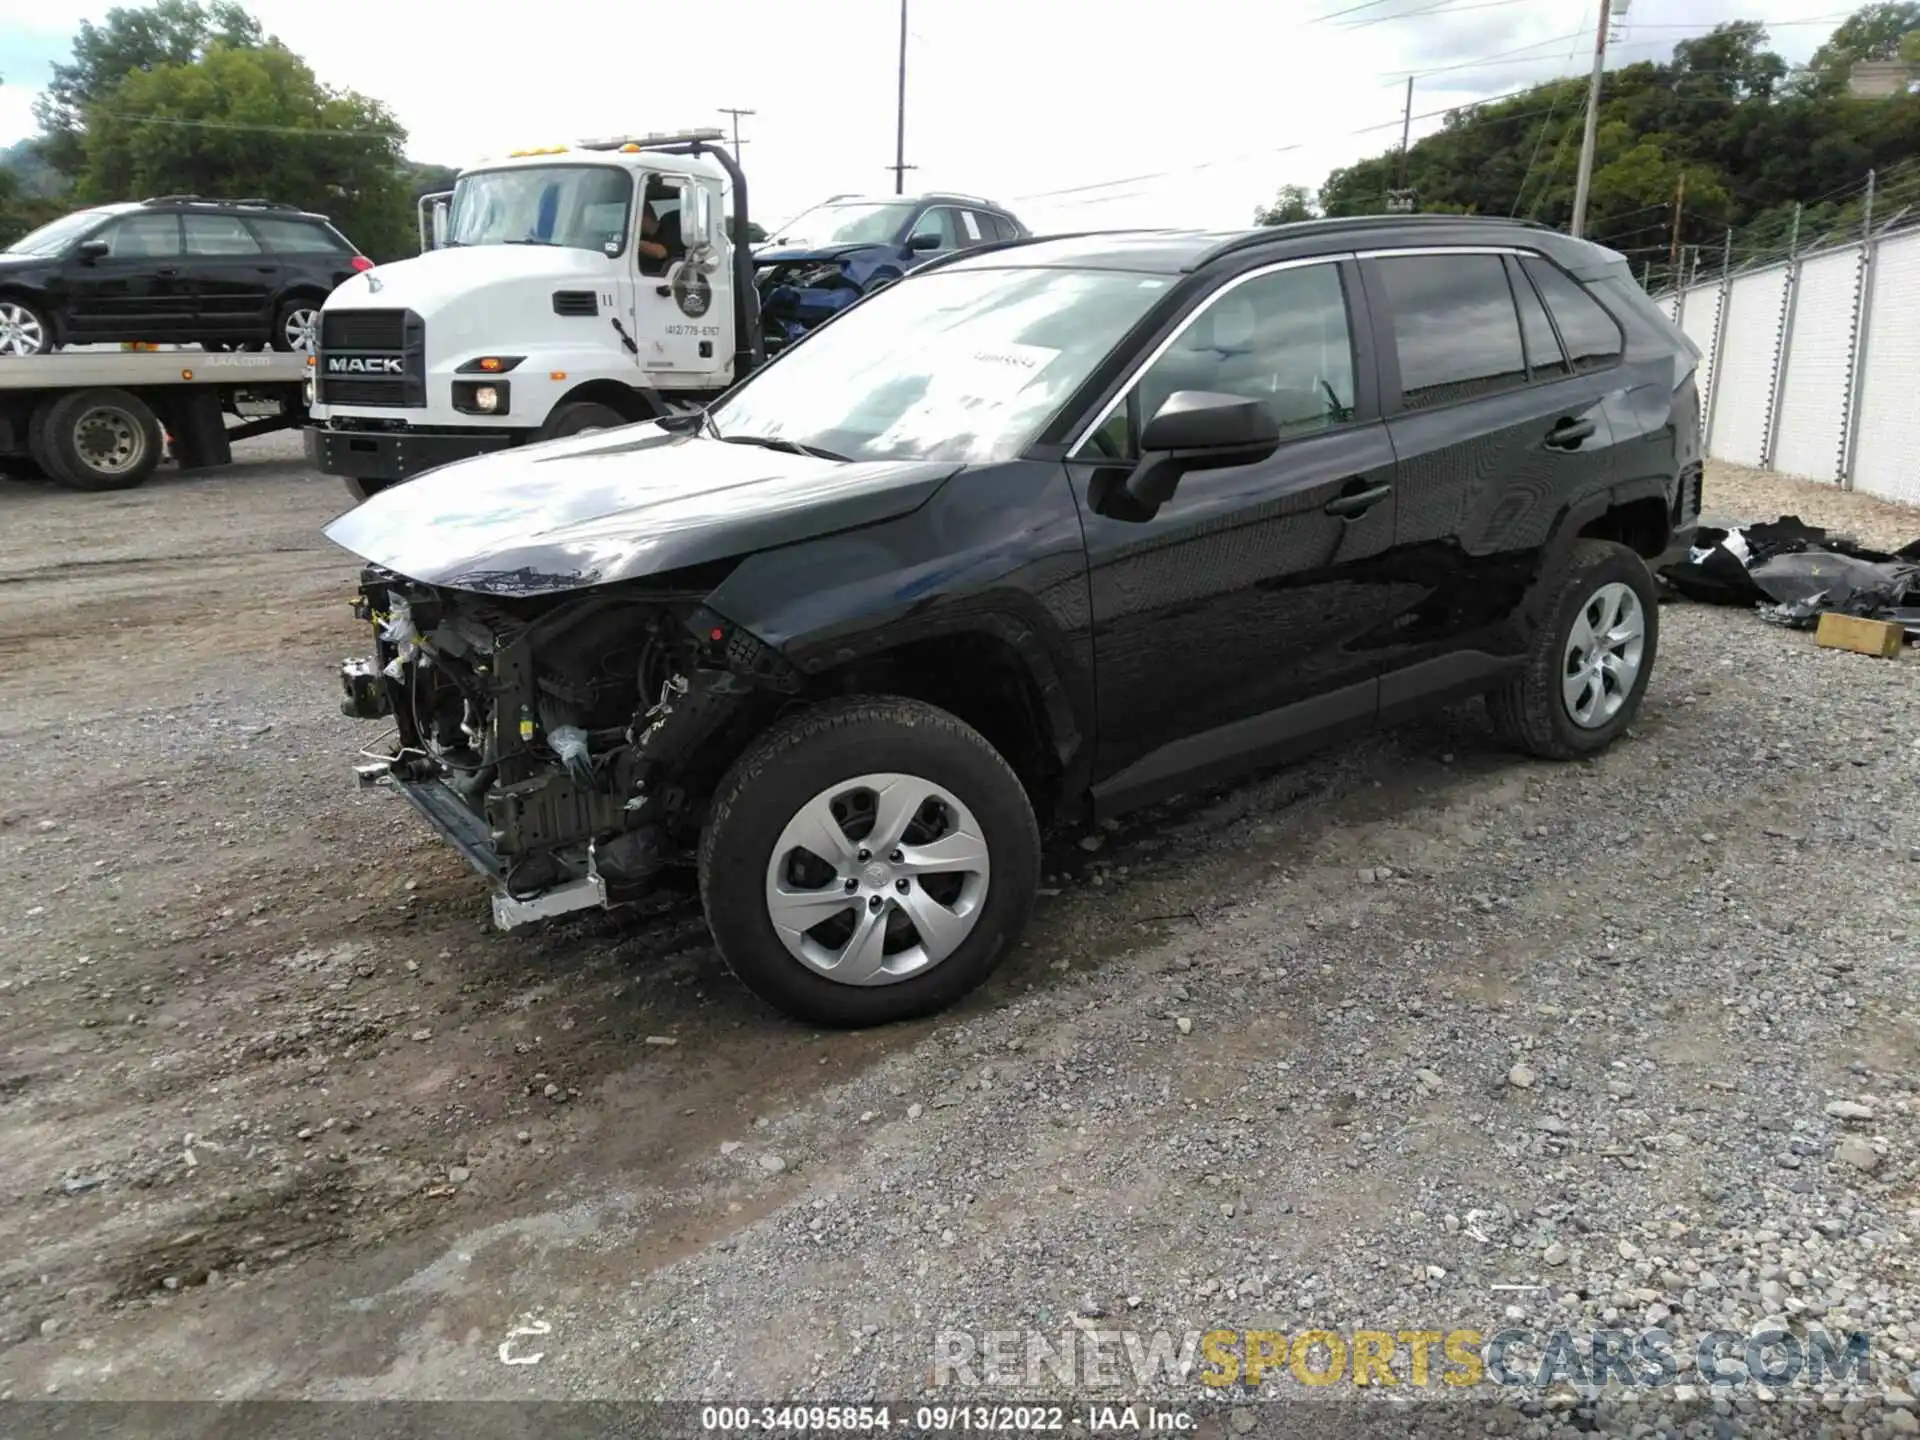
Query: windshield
[
  {"x": 868, "y": 222},
  {"x": 583, "y": 207},
  {"x": 964, "y": 365},
  {"x": 55, "y": 237}
]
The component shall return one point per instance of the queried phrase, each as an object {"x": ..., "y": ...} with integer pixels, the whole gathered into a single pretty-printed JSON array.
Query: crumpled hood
[
  {"x": 430, "y": 282},
  {"x": 617, "y": 505},
  {"x": 815, "y": 254}
]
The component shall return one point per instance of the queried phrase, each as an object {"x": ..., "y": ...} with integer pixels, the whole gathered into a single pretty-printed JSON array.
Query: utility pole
[
  {"x": 900, "y": 113},
  {"x": 736, "y": 114},
  {"x": 1593, "y": 121},
  {"x": 1400, "y": 201},
  {"x": 1679, "y": 209}
]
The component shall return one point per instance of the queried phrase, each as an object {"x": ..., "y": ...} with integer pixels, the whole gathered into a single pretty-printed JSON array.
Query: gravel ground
[{"x": 1342, "y": 1049}]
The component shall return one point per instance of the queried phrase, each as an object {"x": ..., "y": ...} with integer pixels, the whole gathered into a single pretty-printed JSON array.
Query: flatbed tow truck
[{"x": 105, "y": 419}]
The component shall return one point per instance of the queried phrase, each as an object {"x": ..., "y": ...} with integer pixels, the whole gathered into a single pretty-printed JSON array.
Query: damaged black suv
[{"x": 1042, "y": 532}]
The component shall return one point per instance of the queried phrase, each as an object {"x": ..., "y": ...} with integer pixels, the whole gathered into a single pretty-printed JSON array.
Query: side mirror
[
  {"x": 699, "y": 224},
  {"x": 89, "y": 251},
  {"x": 1192, "y": 430},
  {"x": 923, "y": 240}
]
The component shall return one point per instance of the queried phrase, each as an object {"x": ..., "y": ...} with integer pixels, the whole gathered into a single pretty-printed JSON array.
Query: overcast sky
[{"x": 1216, "y": 102}]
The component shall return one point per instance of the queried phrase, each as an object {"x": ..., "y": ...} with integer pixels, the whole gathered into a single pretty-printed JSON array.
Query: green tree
[
  {"x": 252, "y": 121},
  {"x": 1883, "y": 31},
  {"x": 1723, "y": 111},
  {"x": 132, "y": 40},
  {"x": 1293, "y": 203}
]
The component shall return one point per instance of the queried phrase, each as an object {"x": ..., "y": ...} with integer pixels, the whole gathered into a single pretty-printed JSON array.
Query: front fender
[{"x": 997, "y": 551}]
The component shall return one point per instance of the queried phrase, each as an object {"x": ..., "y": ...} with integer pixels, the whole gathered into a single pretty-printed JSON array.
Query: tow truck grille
[
  {"x": 372, "y": 358},
  {"x": 363, "y": 329}
]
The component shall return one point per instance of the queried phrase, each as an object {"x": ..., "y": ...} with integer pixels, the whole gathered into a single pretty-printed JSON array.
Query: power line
[
  {"x": 1441, "y": 7},
  {"x": 1398, "y": 75},
  {"x": 184, "y": 121},
  {"x": 1336, "y": 14}
]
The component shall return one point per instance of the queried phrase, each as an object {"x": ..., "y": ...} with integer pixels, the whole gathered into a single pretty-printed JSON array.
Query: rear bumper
[{"x": 371, "y": 460}]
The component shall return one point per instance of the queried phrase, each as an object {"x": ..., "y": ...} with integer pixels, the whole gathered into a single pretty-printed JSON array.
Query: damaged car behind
[{"x": 1041, "y": 533}]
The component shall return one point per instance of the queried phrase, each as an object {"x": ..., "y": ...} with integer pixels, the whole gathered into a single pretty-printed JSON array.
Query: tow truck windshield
[{"x": 582, "y": 207}]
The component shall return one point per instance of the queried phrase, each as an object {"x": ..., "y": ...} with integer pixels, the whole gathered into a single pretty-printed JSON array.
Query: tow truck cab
[{"x": 538, "y": 313}]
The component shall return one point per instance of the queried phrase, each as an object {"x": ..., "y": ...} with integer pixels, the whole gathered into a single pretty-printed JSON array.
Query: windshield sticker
[{"x": 986, "y": 372}]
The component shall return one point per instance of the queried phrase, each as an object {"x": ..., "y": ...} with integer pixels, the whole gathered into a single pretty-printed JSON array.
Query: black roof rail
[
  {"x": 1335, "y": 224},
  {"x": 251, "y": 203}
]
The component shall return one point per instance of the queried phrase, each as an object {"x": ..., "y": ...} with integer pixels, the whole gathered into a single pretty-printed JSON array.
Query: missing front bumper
[{"x": 467, "y": 833}]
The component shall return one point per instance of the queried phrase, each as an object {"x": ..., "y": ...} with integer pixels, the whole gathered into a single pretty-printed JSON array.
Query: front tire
[
  {"x": 24, "y": 328},
  {"x": 1590, "y": 661},
  {"x": 867, "y": 861},
  {"x": 579, "y": 418}
]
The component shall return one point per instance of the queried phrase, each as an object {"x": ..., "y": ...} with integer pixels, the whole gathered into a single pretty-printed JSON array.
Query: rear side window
[
  {"x": 1544, "y": 356},
  {"x": 297, "y": 237},
  {"x": 1455, "y": 328},
  {"x": 218, "y": 235},
  {"x": 1592, "y": 336}
]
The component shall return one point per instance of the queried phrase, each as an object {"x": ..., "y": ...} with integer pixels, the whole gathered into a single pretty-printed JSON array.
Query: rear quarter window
[
  {"x": 1591, "y": 335},
  {"x": 298, "y": 237}
]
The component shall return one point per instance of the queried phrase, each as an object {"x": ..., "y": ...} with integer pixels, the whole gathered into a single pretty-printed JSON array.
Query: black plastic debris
[{"x": 1793, "y": 573}]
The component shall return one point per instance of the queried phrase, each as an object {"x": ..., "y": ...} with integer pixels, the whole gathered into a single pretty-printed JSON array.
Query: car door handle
[
  {"x": 167, "y": 274},
  {"x": 1569, "y": 433},
  {"x": 1358, "y": 502}
]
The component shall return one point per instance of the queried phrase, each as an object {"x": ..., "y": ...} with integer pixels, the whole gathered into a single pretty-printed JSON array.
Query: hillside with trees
[{"x": 1751, "y": 136}]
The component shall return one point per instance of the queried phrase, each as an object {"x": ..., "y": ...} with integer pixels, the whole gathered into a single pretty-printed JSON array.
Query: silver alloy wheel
[
  {"x": 300, "y": 327},
  {"x": 21, "y": 332},
  {"x": 877, "y": 879},
  {"x": 1603, "y": 655},
  {"x": 108, "y": 441}
]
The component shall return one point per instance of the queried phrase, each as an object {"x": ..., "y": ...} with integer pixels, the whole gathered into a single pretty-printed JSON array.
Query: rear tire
[
  {"x": 942, "y": 934},
  {"x": 97, "y": 440},
  {"x": 1591, "y": 659},
  {"x": 296, "y": 325},
  {"x": 578, "y": 417}
]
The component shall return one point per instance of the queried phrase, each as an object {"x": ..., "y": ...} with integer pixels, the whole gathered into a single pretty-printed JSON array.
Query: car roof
[
  {"x": 1174, "y": 252},
  {"x": 931, "y": 197}
]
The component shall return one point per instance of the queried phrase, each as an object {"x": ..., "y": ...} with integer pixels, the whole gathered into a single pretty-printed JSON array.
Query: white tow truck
[{"x": 541, "y": 308}]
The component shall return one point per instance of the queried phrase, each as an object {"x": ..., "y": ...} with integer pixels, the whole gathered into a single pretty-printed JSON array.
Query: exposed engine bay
[
  {"x": 556, "y": 743},
  {"x": 797, "y": 295}
]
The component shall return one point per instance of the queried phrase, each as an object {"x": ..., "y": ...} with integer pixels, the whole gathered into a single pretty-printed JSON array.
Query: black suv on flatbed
[
  {"x": 1039, "y": 533},
  {"x": 176, "y": 269}
]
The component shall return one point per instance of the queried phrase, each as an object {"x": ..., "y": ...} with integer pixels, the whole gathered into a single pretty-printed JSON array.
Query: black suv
[
  {"x": 175, "y": 269},
  {"x": 1037, "y": 534}
]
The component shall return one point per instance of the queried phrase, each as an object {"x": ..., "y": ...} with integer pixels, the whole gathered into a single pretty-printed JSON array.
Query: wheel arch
[
  {"x": 624, "y": 400},
  {"x": 991, "y": 670}
]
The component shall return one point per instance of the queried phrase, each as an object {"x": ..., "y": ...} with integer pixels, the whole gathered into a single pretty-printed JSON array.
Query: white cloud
[{"x": 1005, "y": 97}]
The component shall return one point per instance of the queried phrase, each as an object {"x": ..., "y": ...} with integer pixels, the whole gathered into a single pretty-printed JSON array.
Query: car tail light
[{"x": 360, "y": 262}]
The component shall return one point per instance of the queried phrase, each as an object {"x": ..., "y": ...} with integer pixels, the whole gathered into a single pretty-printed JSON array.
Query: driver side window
[
  {"x": 143, "y": 237},
  {"x": 1281, "y": 338},
  {"x": 939, "y": 222}
]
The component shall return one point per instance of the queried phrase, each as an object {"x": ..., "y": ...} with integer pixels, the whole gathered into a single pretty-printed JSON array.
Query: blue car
[{"x": 822, "y": 261}]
